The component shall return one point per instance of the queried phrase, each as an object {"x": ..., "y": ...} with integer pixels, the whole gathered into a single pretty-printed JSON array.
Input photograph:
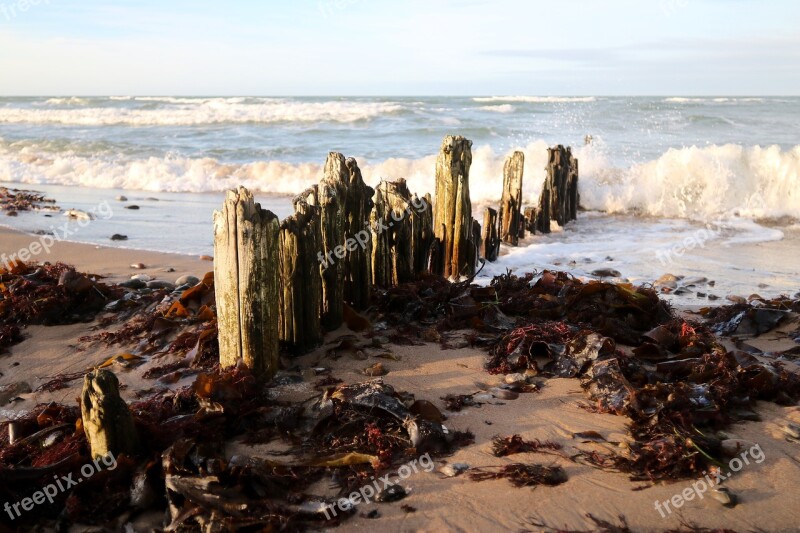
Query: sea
[{"x": 704, "y": 188}]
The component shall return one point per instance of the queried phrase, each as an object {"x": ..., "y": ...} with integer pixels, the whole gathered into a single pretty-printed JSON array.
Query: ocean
[{"x": 696, "y": 187}]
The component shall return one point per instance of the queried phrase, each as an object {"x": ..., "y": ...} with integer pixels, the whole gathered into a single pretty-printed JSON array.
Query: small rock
[
  {"x": 736, "y": 299},
  {"x": 206, "y": 258},
  {"x": 122, "y": 199},
  {"x": 159, "y": 284},
  {"x": 168, "y": 269},
  {"x": 713, "y": 297},
  {"x": 791, "y": 430},
  {"x": 460, "y": 343},
  {"x": 133, "y": 284},
  {"x": 734, "y": 447},
  {"x": 724, "y": 496},
  {"x": 763, "y": 286},
  {"x": 142, "y": 277},
  {"x": 483, "y": 397},
  {"x": 187, "y": 280},
  {"x": 139, "y": 266},
  {"x": 701, "y": 295},
  {"x": 606, "y": 273},
  {"x": 454, "y": 469},
  {"x": 118, "y": 237},
  {"x": 504, "y": 394},
  {"x": 375, "y": 370},
  {"x": 515, "y": 378},
  {"x": 132, "y": 207},
  {"x": 392, "y": 493},
  {"x": 669, "y": 281}
]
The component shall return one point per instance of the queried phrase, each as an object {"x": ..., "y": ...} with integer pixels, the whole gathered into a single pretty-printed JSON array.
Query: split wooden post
[
  {"x": 106, "y": 419},
  {"x": 511, "y": 204},
  {"x": 247, "y": 283},
  {"x": 358, "y": 262},
  {"x": 491, "y": 240},
  {"x": 332, "y": 192},
  {"x": 529, "y": 220},
  {"x": 401, "y": 233},
  {"x": 452, "y": 217},
  {"x": 543, "y": 211},
  {"x": 301, "y": 279},
  {"x": 562, "y": 178}
]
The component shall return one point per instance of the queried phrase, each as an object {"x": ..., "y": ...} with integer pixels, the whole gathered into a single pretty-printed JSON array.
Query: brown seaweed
[{"x": 522, "y": 475}]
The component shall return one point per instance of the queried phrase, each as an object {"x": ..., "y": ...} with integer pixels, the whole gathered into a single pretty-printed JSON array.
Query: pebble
[
  {"x": 168, "y": 269},
  {"x": 132, "y": 207},
  {"x": 483, "y": 397},
  {"x": 392, "y": 493},
  {"x": 142, "y": 277},
  {"x": 139, "y": 266},
  {"x": 122, "y": 199},
  {"x": 504, "y": 394},
  {"x": 515, "y": 378},
  {"x": 606, "y": 273},
  {"x": 736, "y": 299},
  {"x": 187, "y": 280},
  {"x": 158, "y": 284},
  {"x": 118, "y": 237},
  {"x": 375, "y": 370},
  {"x": 454, "y": 469},
  {"x": 792, "y": 430},
  {"x": 669, "y": 281},
  {"x": 734, "y": 447},
  {"x": 459, "y": 344},
  {"x": 206, "y": 258},
  {"x": 133, "y": 284},
  {"x": 724, "y": 496}
]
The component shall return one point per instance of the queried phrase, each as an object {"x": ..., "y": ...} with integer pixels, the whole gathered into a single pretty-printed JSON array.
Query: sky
[{"x": 402, "y": 47}]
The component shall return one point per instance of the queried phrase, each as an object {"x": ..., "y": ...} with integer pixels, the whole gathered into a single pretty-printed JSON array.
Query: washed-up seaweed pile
[
  {"x": 754, "y": 317},
  {"x": 14, "y": 200},
  {"x": 349, "y": 434},
  {"x": 675, "y": 382},
  {"x": 48, "y": 294}
]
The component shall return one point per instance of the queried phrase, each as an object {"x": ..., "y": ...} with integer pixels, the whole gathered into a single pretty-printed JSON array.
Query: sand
[{"x": 767, "y": 491}]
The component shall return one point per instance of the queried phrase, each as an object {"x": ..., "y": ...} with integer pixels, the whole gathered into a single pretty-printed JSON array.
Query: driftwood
[
  {"x": 511, "y": 204},
  {"x": 562, "y": 180},
  {"x": 106, "y": 419},
  {"x": 491, "y": 240},
  {"x": 452, "y": 217},
  {"x": 301, "y": 280},
  {"x": 357, "y": 264},
  {"x": 331, "y": 194},
  {"x": 401, "y": 234},
  {"x": 247, "y": 283}
]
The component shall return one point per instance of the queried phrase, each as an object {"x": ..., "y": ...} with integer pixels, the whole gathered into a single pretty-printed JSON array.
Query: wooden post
[
  {"x": 393, "y": 234},
  {"x": 247, "y": 283},
  {"x": 452, "y": 217},
  {"x": 529, "y": 220},
  {"x": 543, "y": 211},
  {"x": 358, "y": 262},
  {"x": 332, "y": 197},
  {"x": 301, "y": 279},
  {"x": 422, "y": 229},
  {"x": 511, "y": 203},
  {"x": 491, "y": 240},
  {"x": 562, "y": 177},
  {"x": 107, "y": 421}
]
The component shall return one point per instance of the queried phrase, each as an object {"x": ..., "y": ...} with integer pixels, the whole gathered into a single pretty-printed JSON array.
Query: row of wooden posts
[{"x": 289, "y": 281}]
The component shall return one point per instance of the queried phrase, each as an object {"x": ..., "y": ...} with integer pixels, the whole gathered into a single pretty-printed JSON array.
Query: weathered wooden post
[
  {"x": 301, "y": 279},
  {"x": 107, "y": 421},
  {"x": 572, "y": 187},
  {"x": 511, "y": 203},
  {"x": 543, "y": 211},
  {"x": 529, "y": 221},
  {"x": 452, "y": 218},
  {"x": 562, "y": 178},
  {"x": 357, "y": 265},
  {"x": 331, "y": 194},
  {"x": 491, "y": 240},
  {"x": 247, "y": 283},
  {"x": 422, "y": 229},
  {"x": 393, "y": 260}
]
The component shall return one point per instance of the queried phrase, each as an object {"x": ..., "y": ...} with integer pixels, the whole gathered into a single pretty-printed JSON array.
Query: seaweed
[
  {"x": 505, "y": 446},
  {"x": 522, "y": 475}
]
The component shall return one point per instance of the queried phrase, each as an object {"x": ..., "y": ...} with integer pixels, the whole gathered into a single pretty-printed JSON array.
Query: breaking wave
[
  {"x": 537, "y": 99},
  {"x": 691, "y": 183}
]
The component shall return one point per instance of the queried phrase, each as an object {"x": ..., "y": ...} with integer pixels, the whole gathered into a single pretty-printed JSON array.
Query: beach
[{"x": 765, "y": 489}]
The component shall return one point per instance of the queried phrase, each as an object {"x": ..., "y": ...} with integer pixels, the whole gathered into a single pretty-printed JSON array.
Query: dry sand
[{"x": 767, "y": 491}]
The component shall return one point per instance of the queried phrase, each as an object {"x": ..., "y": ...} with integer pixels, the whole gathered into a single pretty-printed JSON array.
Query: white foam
[
  {"x": 692, "y": 183},
  {"x": 504, "y": 108},
  {"x": 190, "y": 111},
  {"x": 537, "y": 99}
]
